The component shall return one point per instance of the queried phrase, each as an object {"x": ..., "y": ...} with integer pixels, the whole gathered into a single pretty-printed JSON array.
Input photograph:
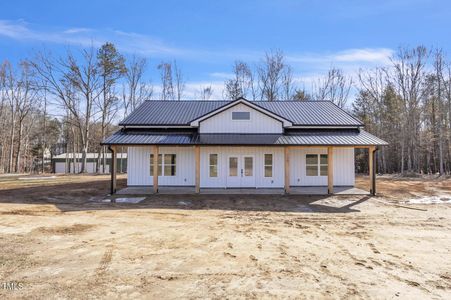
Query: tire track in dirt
[{"x": 104, "y": 262}]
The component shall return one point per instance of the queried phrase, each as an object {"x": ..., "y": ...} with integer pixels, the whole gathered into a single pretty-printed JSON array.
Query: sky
[{"x": 206, "y": 37}]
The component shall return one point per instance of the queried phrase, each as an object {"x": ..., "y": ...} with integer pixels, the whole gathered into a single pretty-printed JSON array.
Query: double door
[{"x": 240, "y": 171}]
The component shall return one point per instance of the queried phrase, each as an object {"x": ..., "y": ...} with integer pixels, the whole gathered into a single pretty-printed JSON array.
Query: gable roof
[
  {"x": 182, "y": 113},
  {"x": 244, "y": 102}
]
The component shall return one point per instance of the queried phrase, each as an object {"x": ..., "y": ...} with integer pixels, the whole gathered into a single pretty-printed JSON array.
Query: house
[
  {"x": 242, "y": 144},
  {"x": 64, "y": 163}
]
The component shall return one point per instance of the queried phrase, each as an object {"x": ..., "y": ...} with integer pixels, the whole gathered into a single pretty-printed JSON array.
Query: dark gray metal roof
[
  {"x": 181, "y": 113},
  {"x": 308, "y": 137}
]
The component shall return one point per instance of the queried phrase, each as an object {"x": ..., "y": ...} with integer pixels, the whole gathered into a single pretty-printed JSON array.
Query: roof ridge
[{"x": 219, "y": 100}]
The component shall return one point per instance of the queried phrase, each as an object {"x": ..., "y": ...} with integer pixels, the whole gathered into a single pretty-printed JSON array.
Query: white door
[{"x": 240, "y": 171}]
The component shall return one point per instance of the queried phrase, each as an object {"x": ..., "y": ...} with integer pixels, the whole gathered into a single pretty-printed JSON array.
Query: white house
[{"x": 241, "y": 144}]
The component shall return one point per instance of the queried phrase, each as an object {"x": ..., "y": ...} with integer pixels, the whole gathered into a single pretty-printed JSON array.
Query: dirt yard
[{"x": 60, "y": 239}]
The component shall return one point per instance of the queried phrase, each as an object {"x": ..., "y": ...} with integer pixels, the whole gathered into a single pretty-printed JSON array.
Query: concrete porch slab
[
  {"x": 303, "y": 190},
  {"x": 215, "y": 191},
  {"x": 322, "y": 190}
]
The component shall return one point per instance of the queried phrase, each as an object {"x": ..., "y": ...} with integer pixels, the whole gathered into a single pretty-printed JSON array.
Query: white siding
[
  {"x": 343, "y": 161},
  {"x": 297, "y": 168},
  {"x": 60, "y": 167},
  {"x": 257, "y": 152},
  {"x": 223, "y": 123},
  {"x": 138, "y": 166},
  {"x": 344, "y": 171}
]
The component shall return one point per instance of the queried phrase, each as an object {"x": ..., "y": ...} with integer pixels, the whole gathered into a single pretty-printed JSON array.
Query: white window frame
[
  {"x": 210, "y": 165},
  {"x": 161, "y": 164},
  {"x": 318, "y": 164},
  {"x": 270, "y": 165}
]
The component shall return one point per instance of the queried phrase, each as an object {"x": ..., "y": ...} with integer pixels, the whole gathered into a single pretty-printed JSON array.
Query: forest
[{"x": 69, "y": 103}]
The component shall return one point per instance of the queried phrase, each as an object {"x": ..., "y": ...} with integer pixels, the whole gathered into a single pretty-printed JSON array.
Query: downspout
[
  {"x": 373, "y": 184},
  {"x": 112, "y": 170}
]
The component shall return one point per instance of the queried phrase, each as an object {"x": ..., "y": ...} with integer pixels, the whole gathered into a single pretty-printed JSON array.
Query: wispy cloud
[
  {"x": 125, "y": 41},
  {"x": 377, "y": 56}
]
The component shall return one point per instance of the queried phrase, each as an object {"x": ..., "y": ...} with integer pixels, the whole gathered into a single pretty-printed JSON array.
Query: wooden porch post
[
  {"x": 330, "y": 170},
  {"x": 197, "y": 157},
  {"x": 372, "y": 170},
  {"x": 113, "y": 169},
  {"x": 155, "y": 168},
  {"x": 287, "y": 169}
]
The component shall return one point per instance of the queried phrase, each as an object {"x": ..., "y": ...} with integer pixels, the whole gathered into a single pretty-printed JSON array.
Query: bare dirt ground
[{"x": 59, "y": 240}]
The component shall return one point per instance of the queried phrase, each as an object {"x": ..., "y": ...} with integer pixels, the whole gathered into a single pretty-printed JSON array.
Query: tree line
[{"x": 53, "y": 104}]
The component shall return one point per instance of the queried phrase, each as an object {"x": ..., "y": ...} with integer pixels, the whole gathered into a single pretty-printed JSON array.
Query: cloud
[
  {"x": 222, "y": 75},
  {"x": 380, "y": 56},
  {"x": 76, "y": 30},
  {"x": 125, "y": 41}
]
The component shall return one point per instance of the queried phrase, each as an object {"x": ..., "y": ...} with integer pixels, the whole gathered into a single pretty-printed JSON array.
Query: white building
[
  {"x": 241, "y": 144},
  {"x": 64, "y": 163}
]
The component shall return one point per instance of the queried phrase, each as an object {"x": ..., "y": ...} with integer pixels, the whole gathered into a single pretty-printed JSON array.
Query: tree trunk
[{"x": 19, "y": 147}]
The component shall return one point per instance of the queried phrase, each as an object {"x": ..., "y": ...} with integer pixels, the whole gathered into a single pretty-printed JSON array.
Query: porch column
[
  {"x": 287, "y": 169},
  {"x": 197, "y": 158},
  {"x": 330, "y": 170},
  {"x": 372, "y": 169},
  {"x": 113, "y": 168},
  {"x": 155, "y": 168}
]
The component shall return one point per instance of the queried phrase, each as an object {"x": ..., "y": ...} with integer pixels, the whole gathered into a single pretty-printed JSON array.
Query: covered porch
[{"x": 288, "y": 188}]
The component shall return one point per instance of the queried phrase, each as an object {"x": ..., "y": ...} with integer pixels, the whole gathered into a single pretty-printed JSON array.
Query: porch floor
[{"x": 305, "y": 190}]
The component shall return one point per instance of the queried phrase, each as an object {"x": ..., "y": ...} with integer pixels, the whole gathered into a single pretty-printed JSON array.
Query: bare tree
[
  {"x": 111, "y": 67},
  {"x": 179, "y": 82},
  {"x": 271, "y": 73},
  {"x": 135, "y": 90},
  {"x": 408, "y": 71},
  {"x": 335, "y": 87},
  {"x": 167, "y": 84},
  {"x": 76, "y": 85},
  {"x": 206, "y": 93},
  {"x": 242, "y": 84}
]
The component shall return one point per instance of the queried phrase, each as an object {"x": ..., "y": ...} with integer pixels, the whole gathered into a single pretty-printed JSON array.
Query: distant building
[{"x": 64, "y": 163}]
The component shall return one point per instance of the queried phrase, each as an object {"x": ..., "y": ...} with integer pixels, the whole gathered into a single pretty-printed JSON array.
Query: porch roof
[{"x": 307, "y": 138}]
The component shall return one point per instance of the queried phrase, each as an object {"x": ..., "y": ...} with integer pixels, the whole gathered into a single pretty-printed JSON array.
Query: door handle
[{"x": 241, "y": 172}]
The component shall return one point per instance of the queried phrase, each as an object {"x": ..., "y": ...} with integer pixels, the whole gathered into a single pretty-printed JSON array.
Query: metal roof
[
  {"x": 89, "y": 155},
  {"x": 308, "y": 137},
  {"x": 181, "y": 113}
]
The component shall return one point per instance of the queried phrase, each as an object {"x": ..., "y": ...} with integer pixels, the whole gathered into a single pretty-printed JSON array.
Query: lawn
[{"x": 59, "y": 238}]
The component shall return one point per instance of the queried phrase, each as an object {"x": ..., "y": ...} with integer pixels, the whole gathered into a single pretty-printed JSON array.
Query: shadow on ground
[{"x": 86, "y": 196}]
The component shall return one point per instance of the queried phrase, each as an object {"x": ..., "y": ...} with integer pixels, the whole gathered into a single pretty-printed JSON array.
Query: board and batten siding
[
  {"x": 260, "y": 181},
  {"x": 223, "y": 123},
  {"x": 138, "y": 167},
  {"x": 343, "y": 163}
]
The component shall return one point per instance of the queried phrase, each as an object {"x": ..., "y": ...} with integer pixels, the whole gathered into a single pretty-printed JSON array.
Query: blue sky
[{"x": 205, "y": 37}]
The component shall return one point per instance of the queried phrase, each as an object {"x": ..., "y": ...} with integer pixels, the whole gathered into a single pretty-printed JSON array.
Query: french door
[{"x": 240, "y": 171}]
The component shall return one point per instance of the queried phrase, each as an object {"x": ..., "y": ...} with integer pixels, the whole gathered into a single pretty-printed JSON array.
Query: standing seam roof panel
[{"x": 169, "y": 113}]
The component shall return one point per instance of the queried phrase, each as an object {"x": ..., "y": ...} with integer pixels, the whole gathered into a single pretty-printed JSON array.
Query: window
[
  {"x": 268, "y": 165},
  {"x": 316, "y": 164},
  {"x": 241, "y": 115},
  {"x": 159, "y": 164},
  {"x": 248, "y": 166},
  {"x": 233, "y": 166},
  {"x": 213, "y": 165},
  {"x": 166, "y": 164},
  {"x": 323, "y": 165}
]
